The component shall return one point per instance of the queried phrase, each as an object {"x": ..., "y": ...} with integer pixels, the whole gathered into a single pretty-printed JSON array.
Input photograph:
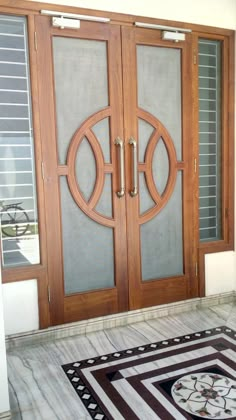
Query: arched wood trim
[
  {"x": 84, "y": 131},
  {"x": 160, "y": 132}
]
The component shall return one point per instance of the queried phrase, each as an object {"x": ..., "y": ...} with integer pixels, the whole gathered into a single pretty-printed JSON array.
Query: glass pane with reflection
[{"x": 18, "y": 202}]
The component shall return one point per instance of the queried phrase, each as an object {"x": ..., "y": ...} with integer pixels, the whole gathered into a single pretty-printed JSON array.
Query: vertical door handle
[
  {"x": 120, "y": 143},
  {"x": 134, "y": 191}
]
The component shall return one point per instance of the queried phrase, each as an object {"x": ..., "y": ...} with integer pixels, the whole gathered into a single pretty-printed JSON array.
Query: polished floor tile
[{"x": 39, "y": 389}]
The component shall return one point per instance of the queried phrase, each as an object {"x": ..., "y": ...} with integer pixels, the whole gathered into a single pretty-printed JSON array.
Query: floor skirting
[{"x": 116, "y": 320}]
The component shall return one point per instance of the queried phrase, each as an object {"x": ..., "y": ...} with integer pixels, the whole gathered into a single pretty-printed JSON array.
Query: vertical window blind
[{"x": 209, "y": 78}]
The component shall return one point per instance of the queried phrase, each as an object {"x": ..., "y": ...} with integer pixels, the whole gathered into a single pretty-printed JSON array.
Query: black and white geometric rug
[{"x": 187, "y": 377}]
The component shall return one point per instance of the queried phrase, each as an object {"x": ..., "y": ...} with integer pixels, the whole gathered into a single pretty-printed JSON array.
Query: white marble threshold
[
  {"x": 6, "y": 415},
  {"x": 116, "y": 320}
]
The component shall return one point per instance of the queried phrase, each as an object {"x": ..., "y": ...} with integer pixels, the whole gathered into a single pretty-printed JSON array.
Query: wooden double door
[{"x": 115, "y": 122}]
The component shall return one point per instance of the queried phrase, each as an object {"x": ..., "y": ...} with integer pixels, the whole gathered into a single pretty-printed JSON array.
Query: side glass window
[
  {"x": 18, "y": 203},
  {"x": 210, "y": 140}
]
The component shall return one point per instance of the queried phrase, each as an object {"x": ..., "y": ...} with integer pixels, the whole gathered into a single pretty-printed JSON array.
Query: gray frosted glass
[
  {"x": 80, "y": 70},
  {"x": 145, "y": 200},
  {"x": 12, "y": 70},
  {"x": 12, "y": 26},
  {"x": 14, "y": 111},
  {"x": 9, "y": 83},
  {"x": 87, "y": 248},
  {"x": 145, "y": 131},
  {"x": 13, "y": 56},
  {"x": 102, "y": 132},
  {"x": 161, "y": 239},
  {"x": 159, "y": 88},
  {"x": 160, "y": 166},
  {"x": 14, "y": 97},
  {"x": 14, "y": 125},
  {"x": 11, "y": 41},
  {"x": 85, "y": 169},
  {"x": 104, "y": 205}
]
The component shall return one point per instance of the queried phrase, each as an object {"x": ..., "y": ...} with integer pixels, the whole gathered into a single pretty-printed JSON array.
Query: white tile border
[{"x": 116, "y": 320}]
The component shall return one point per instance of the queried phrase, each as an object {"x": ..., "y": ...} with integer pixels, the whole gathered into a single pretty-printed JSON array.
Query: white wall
[
  {"x": 21, "y": 306},
  {"x": 220, "y": 268},
  {"x": 4, "y": 397},
  {"x": 220, "y": 272},
  {"x": 205, "y": 12}
]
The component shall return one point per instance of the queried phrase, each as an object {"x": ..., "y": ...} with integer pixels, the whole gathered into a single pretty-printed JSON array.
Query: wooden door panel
[
  {"x": 171, "y": 284},
  {"x": 74, "y": 301},
  {"x": 71, "y": 133}
]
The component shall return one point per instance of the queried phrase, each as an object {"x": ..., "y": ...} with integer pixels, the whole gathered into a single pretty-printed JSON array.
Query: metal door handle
[
  {"x": 134, "y": 191},
  {"x": 120, "y": 143}
]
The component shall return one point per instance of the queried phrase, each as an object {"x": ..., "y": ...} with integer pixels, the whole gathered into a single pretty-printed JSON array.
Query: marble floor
[{"x": 40, "y": 390}]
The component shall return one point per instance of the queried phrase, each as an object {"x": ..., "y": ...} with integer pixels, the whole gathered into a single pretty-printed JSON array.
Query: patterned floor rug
[{"x": 188, "y": 377}]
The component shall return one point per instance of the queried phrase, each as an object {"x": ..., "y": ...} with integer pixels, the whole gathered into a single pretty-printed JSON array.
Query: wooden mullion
[
  {"x": 131, "y": 129},
  {"x": 195, "y": 140},
  {"x": 10, "y": 275},
  {"x": 49, "y": 150},
  {"x": 231, "y": 138},
  {"x": 227, "y": 182}
]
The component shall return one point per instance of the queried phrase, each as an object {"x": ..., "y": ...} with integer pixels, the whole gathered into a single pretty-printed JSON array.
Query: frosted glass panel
[
  {"x": 80, "y": 70},
  {"x": 145, "y": 131},
  {"x": 87, "y": 248},
  {"x": 104, "y": 205},
  {"x": 102, "y": 132},
  {"x": 159, "y": 87},
  {"x": 161, "y": 239},
  {"x": 146, "y": 202},
  {"x": 160, "y": 166},
  {"x": 85, "y": 169}
]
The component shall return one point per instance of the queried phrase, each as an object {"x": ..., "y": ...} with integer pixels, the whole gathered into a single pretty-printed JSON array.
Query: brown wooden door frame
[
  {"x": 149, "y": 293},
  {"x": 129, "y": 291},
  {"x": 98, "y": 302}
]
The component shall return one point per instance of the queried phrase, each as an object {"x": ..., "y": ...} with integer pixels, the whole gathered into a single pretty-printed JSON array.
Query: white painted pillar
[{"x": 4, "y": 394}]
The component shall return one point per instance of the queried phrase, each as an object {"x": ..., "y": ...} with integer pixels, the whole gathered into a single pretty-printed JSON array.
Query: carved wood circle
[
  {"x": 85, "y": 131},
  {"x": 160, "y": 132}
]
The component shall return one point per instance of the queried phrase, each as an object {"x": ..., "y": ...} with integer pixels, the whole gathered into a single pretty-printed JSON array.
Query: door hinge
[
  {"x": 42, "y": 170},
  {"x": 195, "y": 165},
  {"x": 35, "y": 41},
  {"x": 196, "y": 269},
  {"x": 49, "y": 294},
  {"x": 194, "y": 57}
]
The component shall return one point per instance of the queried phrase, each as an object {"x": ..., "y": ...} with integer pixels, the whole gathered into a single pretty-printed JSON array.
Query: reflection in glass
[
  {"x": 209, "y": 79},
  {"x": 18, "y": 204}
]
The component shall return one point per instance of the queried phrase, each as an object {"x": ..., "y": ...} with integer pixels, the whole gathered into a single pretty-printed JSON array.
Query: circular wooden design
[
  {"x": 160, "y": 132},
  {"x": 85, "y": 131}
]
